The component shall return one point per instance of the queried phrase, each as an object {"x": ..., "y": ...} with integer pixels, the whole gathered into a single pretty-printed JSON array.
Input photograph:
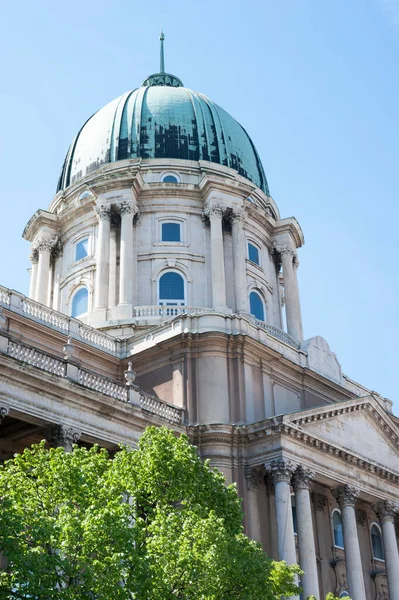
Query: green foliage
[
  {"x": 330, "y": 596},
  {"x": 152, "y": 524}
]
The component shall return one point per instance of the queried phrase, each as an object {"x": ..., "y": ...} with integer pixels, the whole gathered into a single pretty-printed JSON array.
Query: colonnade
[{"x": 284, "y": 473}]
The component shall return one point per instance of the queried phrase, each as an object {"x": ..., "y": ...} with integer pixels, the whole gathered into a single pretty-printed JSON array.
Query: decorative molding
[
  {"x": 45, "y": 245},
  {"x": 214, "y": 209},
  {"x": 302, "y": 478},
  {"x": 386, "y": 510},
  {"x": 346, "y": 495},
  {"x": 280, "y": 470},
  {"x": 238, "y": 215},
  {"x": 128, "y": 208},
  {"x": 34, "y": 257},
  {"x": 253, "y": 477},
  {"x": 283, "y": 249}
]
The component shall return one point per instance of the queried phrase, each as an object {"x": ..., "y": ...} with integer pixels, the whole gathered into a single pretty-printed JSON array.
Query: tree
[{"x": 156, "y": 523}]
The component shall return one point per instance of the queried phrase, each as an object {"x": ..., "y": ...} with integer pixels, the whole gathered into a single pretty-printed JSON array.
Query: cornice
[{"x": 41, "y": 218}]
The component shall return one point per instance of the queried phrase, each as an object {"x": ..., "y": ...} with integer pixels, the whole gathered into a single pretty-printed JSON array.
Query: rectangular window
[
  {"x": 253, "y": 253},
  {"x": 171, "y": 232},
  {"x": 82, "y": 249}
]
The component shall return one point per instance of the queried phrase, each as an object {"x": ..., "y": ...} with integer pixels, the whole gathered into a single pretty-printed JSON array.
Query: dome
[{"x": 162, "y": 119}]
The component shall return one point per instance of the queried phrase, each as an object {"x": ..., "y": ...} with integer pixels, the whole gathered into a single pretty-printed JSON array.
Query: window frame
[
  {"x": 170, "y": 222},
  {"x": 163, "y": 301},
  {"x": 170, "y": 174},
  {"x": 257, "y": 248},
  {"x": 258, "y": 293},
  {"x": 336, "y": 510},
  {"x": 374, "y": 524},
  {"x": 76, "y": 243},
  {"x": 75, "y": 292}
]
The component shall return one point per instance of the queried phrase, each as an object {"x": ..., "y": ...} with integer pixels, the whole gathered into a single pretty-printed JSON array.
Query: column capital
[
  {"x": 45, "y": 245},
  {"x": 128, "y": 208},
  {"x": 4, "y": 410},
  {"x": 34, "y": 256},
  {"x": 302, "y": 478},
  {"x": 285, "y": 249},
  {"x": 238, "y": 215},
  {"x": 62, "y": 435},
  {"x": 103, "y": 212},
  {"x": 386, "y": 510},
  {"x": 280, "y": 470},
  {"x": 346, "y": 495},
  {"x": 214, "y": 209},
  {"x": 253, "y": 477}
]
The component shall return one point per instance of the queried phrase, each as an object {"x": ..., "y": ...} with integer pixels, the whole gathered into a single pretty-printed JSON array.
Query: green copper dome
[{"x": 162, "y": 119}]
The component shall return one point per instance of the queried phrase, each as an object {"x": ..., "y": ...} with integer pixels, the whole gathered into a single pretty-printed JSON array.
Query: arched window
[
  {"x": 376, "y": 542},
  {"x": 170, "y": 178},
  {"x": 82, "y": 249},
  {"x": 337, "y": 529},
  {"x": 256, "y": 306},
  {"x": 171, "y": 289},
  {"x": 80, "y": 302}
]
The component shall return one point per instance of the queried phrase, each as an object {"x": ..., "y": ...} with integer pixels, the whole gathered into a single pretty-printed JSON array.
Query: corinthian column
[
  {"x": 102, "y": 256},
  {"x": 239, "y": 253},
  {"x": 215, "y": 213},
  {"x": 126, "y": 269},
  {"x": 386, "y": 511},
  {"x": 307, "y": 551},
  {"x": 34, "y": 257},
  {"x": 281, "y": 472},
  {"x": 346, "y": 496},
  {"x": 291, "y": 291},
  {"x": 62, "y": 435},
  {"x": 44, "y": 248},
  {"x": 253, "y": 478}
]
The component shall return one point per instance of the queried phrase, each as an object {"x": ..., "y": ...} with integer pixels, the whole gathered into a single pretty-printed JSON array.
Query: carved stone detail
[
  {"x": 128, "y": 208},
  {"x": 361, "y": 517},
  {"x": 45, "y": 245},
  {"x": 285, "y": 249},
  {"x": 214, "y": 209},
  {"x": 103, "y": 212},
  {"x": 302, "y": 478},
  {"x": 62, "y": 435},
  {"x": 238, "y": 215},
  {"x": 253, "y": 478},
  {"x": 319, "y": 501},
  {"x": 346, "y": 495},
  {"x": 280, "y": 470},
  {"x": 4, "y": 410},
  {"x": 386, "y": 510},
  {"x": 34, "y": 257}
]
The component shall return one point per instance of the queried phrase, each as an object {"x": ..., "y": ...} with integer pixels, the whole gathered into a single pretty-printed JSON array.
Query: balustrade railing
[
  {"x": 93, "y": 336},
  {"x": 5, "y": 296},
  {"x": 103, "y": 384},
  {"x": 166, "y": 311},
  {"x": 45, "y": 314},
  {"x": 157, "y": 407},
  {"x": 278, "y": 333},
  {"x": 38, "y": 359}
]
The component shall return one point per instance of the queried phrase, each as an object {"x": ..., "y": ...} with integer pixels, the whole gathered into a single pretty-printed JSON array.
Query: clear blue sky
[{"x": 314, "y": 82}]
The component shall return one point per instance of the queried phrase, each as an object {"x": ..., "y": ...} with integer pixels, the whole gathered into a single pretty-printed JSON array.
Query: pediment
[{"x": 360, "y": 426}]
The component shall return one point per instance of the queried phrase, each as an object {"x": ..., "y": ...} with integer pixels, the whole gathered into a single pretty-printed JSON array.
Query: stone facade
[{"x": 314, "y": 454}]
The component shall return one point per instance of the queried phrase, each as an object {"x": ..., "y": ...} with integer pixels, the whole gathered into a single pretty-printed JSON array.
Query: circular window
[{"x": 170, "y": 178}]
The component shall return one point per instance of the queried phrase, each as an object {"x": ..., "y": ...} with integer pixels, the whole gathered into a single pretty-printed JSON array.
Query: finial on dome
[{"x": 162, "y": 55}]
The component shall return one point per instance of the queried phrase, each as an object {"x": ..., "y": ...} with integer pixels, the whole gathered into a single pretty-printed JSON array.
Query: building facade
[{"x": 164, "y": 291}]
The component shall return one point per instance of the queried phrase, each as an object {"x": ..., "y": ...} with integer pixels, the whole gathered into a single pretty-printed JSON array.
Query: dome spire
[{"x": 162, "y": 55}]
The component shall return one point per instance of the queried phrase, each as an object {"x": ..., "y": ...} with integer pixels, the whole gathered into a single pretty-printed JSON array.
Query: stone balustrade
[
  {"x": 166, "y": 311},
  {"x": 35, "y": 358},
  {"x": 103, "y": 385}
]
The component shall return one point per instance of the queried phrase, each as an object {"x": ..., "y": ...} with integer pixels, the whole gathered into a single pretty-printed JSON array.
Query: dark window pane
[
  {"x": 256, "y": 306},
  {"x": 170, "y": 179},
  {"x": 293, "y": 506},
  {"x": 170, "y": 232},
  {"x": 171, "y": 287},
  {"x": 80, "y": 302},
  {"x": 253, "y": 253}
]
